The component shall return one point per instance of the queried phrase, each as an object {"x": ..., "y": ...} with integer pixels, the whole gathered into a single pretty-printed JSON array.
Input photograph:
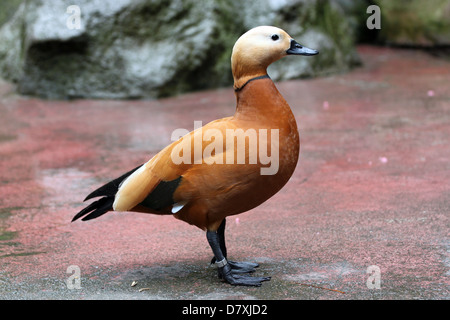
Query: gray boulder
[{"x": 154, "y": 48}]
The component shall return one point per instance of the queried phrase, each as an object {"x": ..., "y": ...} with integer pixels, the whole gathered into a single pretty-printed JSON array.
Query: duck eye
[{"x": 275, "y": 37}]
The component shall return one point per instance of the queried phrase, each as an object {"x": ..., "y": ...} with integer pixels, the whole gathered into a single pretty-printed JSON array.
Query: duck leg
[
  {"x": 225, "y": 268},
  {"x": 236, "y": 267}
]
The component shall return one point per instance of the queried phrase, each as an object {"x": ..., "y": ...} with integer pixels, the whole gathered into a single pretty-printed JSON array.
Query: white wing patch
[
  {"x": 178, "y": 206},
  {"x": 134, "y": 189}
]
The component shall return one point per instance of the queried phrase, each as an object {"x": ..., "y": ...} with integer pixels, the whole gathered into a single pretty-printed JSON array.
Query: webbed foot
[{"x": 232, "y": 277}]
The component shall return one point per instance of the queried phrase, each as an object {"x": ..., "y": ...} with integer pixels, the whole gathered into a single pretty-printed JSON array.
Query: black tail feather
[
  {"x": 111, "y": 187},
  {"x": 95, "y": 209},
  {"x": 103, "y": 205}
]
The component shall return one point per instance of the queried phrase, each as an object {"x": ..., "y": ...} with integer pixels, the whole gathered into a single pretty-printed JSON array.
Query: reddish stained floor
[{"x": 372, "y": 188}]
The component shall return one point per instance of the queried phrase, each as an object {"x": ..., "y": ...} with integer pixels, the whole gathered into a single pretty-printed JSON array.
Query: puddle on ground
[{"x": 65, "y": 186}]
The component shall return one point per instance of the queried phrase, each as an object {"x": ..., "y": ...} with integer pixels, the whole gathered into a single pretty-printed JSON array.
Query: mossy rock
[
  {"x": 7, "y": 9},
  {"x": 415, "y": 22},
  {"x": 149, "y": 49}
]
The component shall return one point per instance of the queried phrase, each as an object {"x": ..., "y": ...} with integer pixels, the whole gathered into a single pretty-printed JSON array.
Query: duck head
[{"x": 256, "y": 49}]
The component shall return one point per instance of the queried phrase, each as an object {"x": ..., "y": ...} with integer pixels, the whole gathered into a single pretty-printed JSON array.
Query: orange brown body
[{"x": 204, "y": 191}]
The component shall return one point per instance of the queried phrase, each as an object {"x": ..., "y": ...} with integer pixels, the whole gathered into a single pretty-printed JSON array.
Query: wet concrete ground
[{"x": 372, "y": 189}]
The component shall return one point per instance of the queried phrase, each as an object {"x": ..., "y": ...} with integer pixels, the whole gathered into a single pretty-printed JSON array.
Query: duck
[{"x": 223, "y": 168}]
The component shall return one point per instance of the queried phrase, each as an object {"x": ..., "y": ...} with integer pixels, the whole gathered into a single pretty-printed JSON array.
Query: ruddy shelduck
[{"x": 207, "y": 187}]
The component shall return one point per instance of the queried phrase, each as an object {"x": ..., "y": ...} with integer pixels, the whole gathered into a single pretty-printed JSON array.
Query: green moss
[
  {"x": 414, "y": 22},
  {"x": 4, "y": 214},
  {"x": 10, "y": 244},
  {"x": 22, "y": 254},
  {"x": 7, "y": 137},
  {"x": 7, "y": 235},
  {"x": 7, "y": 9},
  {"x": 7, "y": 212}
]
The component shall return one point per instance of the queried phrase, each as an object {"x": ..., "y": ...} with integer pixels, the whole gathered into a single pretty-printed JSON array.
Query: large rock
[
  {"x": 328, "y": 26},
  {"x": 7, "y": 9},
  {"x": 154, "y": 48}
]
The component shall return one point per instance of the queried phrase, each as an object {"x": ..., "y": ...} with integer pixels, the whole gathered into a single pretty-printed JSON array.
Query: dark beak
[{"x": 298, "y": 49}]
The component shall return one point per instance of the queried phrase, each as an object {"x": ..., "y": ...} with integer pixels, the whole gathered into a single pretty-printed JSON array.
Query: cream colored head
[{"x": 256, "y": 49}]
